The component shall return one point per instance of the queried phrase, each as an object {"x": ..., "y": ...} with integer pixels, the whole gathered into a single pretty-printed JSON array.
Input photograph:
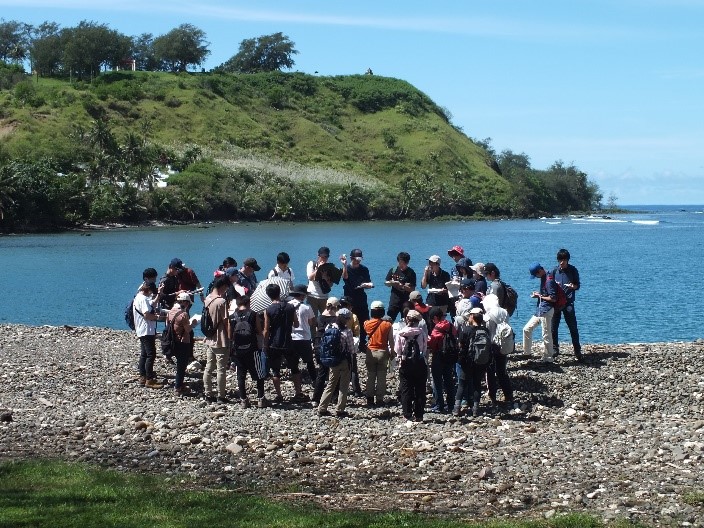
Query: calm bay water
[{"x": 639, "y": 271}]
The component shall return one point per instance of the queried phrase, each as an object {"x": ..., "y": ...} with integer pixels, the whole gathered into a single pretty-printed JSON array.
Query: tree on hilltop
[
  {"x": 262, "y": 54},
  {"x": 181, "y": 47},
  {"x": 14, "y": 41}
]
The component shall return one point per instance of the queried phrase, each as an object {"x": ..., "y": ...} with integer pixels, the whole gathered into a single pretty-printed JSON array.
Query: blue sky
[{"x": 615, "y": 87}]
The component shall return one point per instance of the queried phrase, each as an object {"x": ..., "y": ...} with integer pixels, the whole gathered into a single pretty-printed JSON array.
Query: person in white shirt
[
  {"x": 145, "y": 318},
  {"x": 282, "y": 268}
]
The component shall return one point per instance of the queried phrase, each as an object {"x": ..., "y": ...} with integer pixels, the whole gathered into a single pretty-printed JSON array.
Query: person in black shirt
[
  {"x": 402, "y": 281},
  {"x": 357, "y": 281},
  {"x": 434, "y": 278}
]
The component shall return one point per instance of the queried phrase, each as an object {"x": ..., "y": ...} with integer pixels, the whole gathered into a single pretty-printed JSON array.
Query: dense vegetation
[{"x": 266, "y": 145}]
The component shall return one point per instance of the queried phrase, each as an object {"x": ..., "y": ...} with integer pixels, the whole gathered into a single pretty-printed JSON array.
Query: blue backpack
[
  {"x": 129, "y": 315},
  {"x": 331, "y": 347}
]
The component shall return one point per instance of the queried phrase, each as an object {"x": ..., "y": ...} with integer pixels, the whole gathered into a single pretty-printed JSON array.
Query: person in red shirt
[{"x": 442, "y": 363}]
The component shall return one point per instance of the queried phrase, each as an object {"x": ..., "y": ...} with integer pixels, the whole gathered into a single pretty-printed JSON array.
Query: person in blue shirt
[
  {"x": 546, "y": 296},
  {"x": 567, "y": 277}
]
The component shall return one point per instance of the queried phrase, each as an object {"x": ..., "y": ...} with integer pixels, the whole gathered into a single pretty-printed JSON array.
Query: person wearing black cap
[
  {"x": 246, "y": 277},
  {"x": 357, "y": 281},
  {"x": 187, "y": 278},
  {"x": 318, "y": 291}
]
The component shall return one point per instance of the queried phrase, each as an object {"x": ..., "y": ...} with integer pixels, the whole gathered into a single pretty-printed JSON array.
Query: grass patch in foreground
[{"x": 58, "y": 494}]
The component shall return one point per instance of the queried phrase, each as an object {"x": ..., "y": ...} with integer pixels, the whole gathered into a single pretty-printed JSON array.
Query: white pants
[{"x": 545, "y": 321}]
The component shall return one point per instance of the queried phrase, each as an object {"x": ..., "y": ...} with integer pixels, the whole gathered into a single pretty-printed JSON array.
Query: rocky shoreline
[{"x": 620, "y": 436}]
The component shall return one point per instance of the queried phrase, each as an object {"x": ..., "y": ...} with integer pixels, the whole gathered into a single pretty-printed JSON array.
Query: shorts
[
  {"x": 275, "y": 357},
  {"x": 247, "y": 360}
]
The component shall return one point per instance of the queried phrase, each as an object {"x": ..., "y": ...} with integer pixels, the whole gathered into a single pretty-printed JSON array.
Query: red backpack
[{"x": 561, "y": 301}]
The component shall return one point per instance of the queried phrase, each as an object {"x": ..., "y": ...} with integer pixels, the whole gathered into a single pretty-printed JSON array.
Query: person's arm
[
  {"x": 343, "y": 261},
  {"x": 265, "y": 331},
  {"x": 550, "y": 288},
  {"x": 311, "y": 270},
  {"x": 390, "y": 337},
  {"x": 424, "y": 279},
  {"x": 575, "y": 279}
]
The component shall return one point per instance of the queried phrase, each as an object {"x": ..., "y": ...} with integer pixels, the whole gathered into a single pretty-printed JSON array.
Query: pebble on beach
[{"x": 620, "y": 435}]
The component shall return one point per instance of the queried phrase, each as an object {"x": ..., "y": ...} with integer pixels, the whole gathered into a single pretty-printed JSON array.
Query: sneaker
[
  {"x": 578, "y": 355},
  {"x": 182, "y": 391},
  {"x": 142, "y": 380},
  {"x": 370, "y": 402},
  {"x": 437, "y": 409},
  {"x": 456, "y": 412},
  {"x": 223, "y": 400},
  {"x": 262, "y": 403},
  {"x": 323, "y": 412},
  {"x": 153, "y": 384},
  {"x": 211, "y": 399},
  {"x": 380, "y": 402},
  {"x": 279, "y": 399},
  {"x": 547, "y": 359},
  {"x": 300, "y": 398},
  {"x": 245, "y": 404},
  {"x": 417, "y": 419}
]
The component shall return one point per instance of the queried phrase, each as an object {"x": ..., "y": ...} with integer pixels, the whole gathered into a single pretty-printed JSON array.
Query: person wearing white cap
[
  {"x": 183, "y": 338},
  {"x": 411, "y": 345},
  {"x": 434, "y": 279},
  {"x": 380, "y": 343}
]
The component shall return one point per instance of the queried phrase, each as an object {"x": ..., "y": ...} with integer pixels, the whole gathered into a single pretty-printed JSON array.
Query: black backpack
[
  {"x": 207, "y": 326},
  {"x": 480, "y": 347},
  {"x": 331, "y": 347},
  {"x": 510, "y": 300},
  {"x": 450, "y": 348},
  {"x": 243, "y": 335},
  {"x": 129, "y": 315},
  {"x": 168, "y": 338},
  {"x": 411, "y": 350}
]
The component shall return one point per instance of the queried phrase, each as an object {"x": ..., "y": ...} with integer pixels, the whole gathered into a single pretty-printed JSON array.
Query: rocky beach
[{"x": 620, "y": 436}]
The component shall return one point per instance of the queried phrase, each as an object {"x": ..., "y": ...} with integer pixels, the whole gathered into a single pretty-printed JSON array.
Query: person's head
[
  {"x": 231, "y": 274},
  {"x": 536, "y": 270},
  {"x": 464, "y": 267},
  {"x": 563, "y": 258},
  {"x": 403, "y": 259},
  {"x": 176, "y": 264},
  {"x": 456, "y": 253},
  {"x": 324, "y": 253},
  {"x": 434, "y": 262},
  {"x": 344, "y": 316},
  {"x": 436, "y": 314},
  {"x": 356, "y": 257},
  {"x": 145, "y": 288},
  {"x": 299, "y": 291},
  {"x": 377, "y": 309},
  {"x": 491, "y": 272},
  {"x": 333, "y": 304},
  {"x": 415, "y": 297},
  {"x": 184, "y": 300},
  {"x": 149, "y": 275},
  {"x": 478, "y": 270},
  {"x": 476, "y": 317},
  {"x": 282, "y": 259},
  {"x": 250, "y": 265},
  {"x": 221, "y": 285},
  {"x": 345, "y": 302},
  {"x": 243, "y": 302},
  {"x": 228, "y": 262},
  {"x": 273, "y": 291},
  {"x": 467, "y": 287},
  {"x": 413, "y": 317}
]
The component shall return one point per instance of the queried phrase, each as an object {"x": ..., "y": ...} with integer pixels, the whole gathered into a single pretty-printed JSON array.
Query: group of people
[{"x": 456, "y": 340}]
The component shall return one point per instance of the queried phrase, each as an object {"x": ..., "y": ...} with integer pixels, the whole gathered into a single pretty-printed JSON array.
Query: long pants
[
  {"x": 545, "y": 321},
  {"x": 377, "y": 362},
  {"x": 470, "y": 380},
  {"x": 183, "y": 352},
  {"x": 318, "y": 305},
  {"x": 443, "y": 382},
  {"x": 497, "y": 375},
  {"x": 338, "y": 374},
  {"x": 321, "y": 381},
  {"x": 217, "y": 360},
  {"x": 354, "y": 374},
  {"x": 246, "y": 362},
  {"x": 147, "y": 356},
  {"x": 304, "y": 350},
  {"x": 571, "y": 320},
  {"x": 412, "y": 377}
]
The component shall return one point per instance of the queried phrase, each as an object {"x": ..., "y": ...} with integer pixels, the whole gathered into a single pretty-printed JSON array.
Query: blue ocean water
[{"x": 640, "y": 271}]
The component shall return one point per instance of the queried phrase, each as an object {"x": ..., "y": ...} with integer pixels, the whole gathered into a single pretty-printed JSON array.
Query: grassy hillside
[{"x": 376, "y": 146}]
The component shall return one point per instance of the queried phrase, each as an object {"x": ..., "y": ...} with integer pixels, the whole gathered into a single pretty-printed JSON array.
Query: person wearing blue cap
[{"x": 546, "y": 296}]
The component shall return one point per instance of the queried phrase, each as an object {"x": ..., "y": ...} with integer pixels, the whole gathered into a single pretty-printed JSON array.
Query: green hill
[{"x": 354, "y": 146}]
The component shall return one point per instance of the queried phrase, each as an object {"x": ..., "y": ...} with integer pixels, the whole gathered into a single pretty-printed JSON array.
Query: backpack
[
  {"x": 504, "y": 338},
  {"x": 331, "y": 347},
  {"x": 561, "y": 301},
  {"x": 242, "y": 332},
  {"x": 168, "y": 338},
  {"x": 207, "y": 326},
  {"x": 411, "y": 350},
  {"x": 510, "y": 300},
  {"x": 450, "y": 349},
  {"x": 480, "y": 347},
  {"x": 129, "y": 315}
]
